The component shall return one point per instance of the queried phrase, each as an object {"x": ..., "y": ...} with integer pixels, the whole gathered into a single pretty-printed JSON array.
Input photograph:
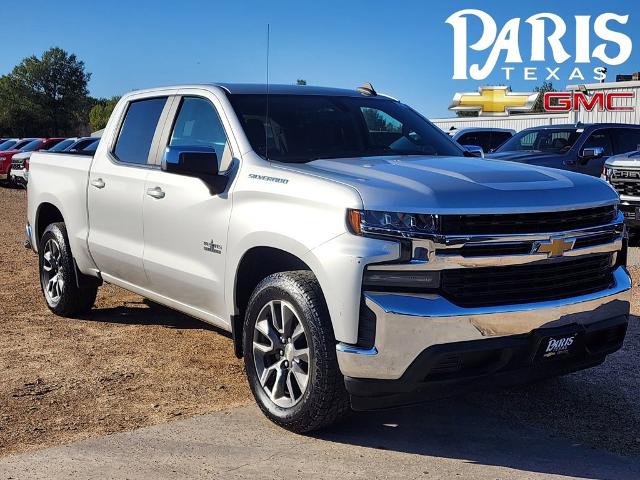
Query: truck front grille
[
  {"x": 489, "y": 286},
  {"x": 545, "y": 222},
  {"x": 626, "y": 182}
]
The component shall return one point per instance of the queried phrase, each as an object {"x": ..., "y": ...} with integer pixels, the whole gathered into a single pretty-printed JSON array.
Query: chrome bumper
[{"x": 408, "y": 324}]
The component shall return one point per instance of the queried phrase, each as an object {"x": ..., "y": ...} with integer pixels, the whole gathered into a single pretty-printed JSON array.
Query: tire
[
  {"x": 297, "y": 405},
  {"x": 62, "y": 294}
]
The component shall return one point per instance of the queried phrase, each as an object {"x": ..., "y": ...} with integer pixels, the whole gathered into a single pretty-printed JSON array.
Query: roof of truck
[{"x": 278, "y": 89}]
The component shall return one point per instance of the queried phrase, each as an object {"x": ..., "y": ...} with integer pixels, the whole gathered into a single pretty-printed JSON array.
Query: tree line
[{"x": 48, "y": 96}]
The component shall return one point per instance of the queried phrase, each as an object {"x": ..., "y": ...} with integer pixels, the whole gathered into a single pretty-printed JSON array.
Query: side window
[
  {"x": 600, "y": 138},
  {"x": 499, "y": 138},
  {"x": 137, "y": 131},
  {"x": 626, "y": 140},
  {"x": 198, "y": 125},
  {"x": 526, "y": 142}
]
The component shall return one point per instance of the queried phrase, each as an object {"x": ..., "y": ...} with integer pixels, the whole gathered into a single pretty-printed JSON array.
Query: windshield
[
  {"x": 92, "y": 147},
  {"x": 8, "y": 145},
  {"x": 31, "y": 146},
  {"x": 62, "y": 145},
  {"x": 544, "y": 140},
  {"x": 21, "y": 144},
  {"x": 302, "y": 128}
]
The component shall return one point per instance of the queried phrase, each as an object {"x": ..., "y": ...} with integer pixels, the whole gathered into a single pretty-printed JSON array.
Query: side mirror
[
  {"x": 590, "y": 153},
  {"x": 195, "y": 161},
  {"x": 474, "y": 150}
]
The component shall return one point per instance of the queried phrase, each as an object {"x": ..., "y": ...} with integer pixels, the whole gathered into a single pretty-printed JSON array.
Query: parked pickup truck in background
[
  {"x": 486, "y": 138},
  {"x": 7, "y": 150},
  {"x": 580, "y": 148},
  {"x": 358, "y": 255},
  {"x": 623, "y": 173},
  {"x": 20, "y": 161}
]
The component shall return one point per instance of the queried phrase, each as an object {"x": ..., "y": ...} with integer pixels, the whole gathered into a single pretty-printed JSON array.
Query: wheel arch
[
  {"x": 256, "y": 264},
  {"x": 46, "y": 214}
]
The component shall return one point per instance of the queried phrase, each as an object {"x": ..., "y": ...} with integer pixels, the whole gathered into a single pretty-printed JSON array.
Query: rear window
[{"x": 137, "y": 131}]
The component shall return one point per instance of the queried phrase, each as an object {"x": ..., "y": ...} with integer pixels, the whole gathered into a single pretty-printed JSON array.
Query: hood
[
  {"x": 523, "y": 157},
  {"x": 9, "y": 152},
  {"x": 460, "y": 184},
  {"x": 22, "y": 156}
]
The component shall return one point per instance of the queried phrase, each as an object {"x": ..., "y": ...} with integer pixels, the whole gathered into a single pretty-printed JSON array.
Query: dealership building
[{"x": 522, "y": 121}]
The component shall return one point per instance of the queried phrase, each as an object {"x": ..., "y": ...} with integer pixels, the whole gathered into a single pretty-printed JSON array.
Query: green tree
[
  {"x": 301, "y": 81},
  {"x": 542, "y": 89},
  {"x": 45, "y": 96},
  {"x": 466, "y": 113},
  {"x": 100, "y": 113}
]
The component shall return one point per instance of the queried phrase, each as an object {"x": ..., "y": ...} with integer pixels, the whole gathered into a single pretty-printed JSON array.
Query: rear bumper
[{"x": 445, "y": 370}]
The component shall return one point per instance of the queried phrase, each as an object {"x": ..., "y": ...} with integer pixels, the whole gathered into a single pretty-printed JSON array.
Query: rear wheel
[
  {"x": 289, "y": 352},
  {"x": 58, "y": 277}
]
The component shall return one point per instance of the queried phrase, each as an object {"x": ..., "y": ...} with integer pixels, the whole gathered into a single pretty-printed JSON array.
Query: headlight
[{"x": 406, "y": 225}]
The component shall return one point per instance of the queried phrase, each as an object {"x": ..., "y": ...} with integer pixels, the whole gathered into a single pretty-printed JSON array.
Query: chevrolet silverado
[{"x": 359, "y": 257}]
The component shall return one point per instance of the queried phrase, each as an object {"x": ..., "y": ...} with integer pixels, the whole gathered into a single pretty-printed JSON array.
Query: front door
[{"x": 185, "y": 226}]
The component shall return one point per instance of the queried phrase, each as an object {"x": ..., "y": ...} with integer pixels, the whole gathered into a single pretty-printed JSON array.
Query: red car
[{"x": 23, "y": 145}]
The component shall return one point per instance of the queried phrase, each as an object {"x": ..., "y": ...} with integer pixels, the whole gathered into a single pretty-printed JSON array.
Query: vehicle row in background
[
  {"x": 15, "y": 154},
  {"x": 581, "y": 148}
]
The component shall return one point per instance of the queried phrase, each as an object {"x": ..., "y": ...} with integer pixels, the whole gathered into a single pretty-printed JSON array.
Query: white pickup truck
[{"x": 360, "y": 258}]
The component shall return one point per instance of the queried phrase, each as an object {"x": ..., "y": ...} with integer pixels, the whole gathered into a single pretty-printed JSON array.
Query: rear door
[
  {"x": 185, "y": 226},
  {"x": 116, "y": 191}
]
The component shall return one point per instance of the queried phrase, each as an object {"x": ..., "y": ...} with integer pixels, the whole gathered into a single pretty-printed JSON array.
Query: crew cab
[
  {"x": 580, "y": 148},
  {"x": 359, "y": 257}
]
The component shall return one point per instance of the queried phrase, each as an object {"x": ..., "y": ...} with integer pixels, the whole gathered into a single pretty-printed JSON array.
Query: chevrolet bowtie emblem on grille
[
  {"x": 555, "y": 247},
  {"x": 493, "y": 101}
]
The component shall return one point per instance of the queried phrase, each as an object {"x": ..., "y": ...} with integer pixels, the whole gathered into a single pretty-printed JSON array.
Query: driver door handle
[
  {"x": 155, "y": 192},
  {"x": 98, "y": 183}
]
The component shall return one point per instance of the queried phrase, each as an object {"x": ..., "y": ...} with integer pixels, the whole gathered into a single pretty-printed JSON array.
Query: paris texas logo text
[{"x": 612, "y": 47}]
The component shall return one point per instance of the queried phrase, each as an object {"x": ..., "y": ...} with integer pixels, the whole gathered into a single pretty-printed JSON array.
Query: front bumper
[
  {"x": 444, "y": 370},
  {"x": 406, "y": 324},
  {"x": 19, "y": 175}
]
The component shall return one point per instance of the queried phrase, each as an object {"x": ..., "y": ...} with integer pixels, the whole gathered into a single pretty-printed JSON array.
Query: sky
[{"x": 404, "y": 48}]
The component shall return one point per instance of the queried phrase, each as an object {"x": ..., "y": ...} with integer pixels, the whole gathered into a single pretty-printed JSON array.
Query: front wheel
[
  {"x": 57, "y": 275},
  {"x": 290, "y": 356}
]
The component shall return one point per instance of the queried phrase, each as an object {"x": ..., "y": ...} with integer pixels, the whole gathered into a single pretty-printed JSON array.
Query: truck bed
[{"x": 68, "y": 174}]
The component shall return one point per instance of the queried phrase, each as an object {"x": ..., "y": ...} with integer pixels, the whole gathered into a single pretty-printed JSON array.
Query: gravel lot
[
  {"x": 128, "y": 365},
  {"x": 132, "y": 364}
]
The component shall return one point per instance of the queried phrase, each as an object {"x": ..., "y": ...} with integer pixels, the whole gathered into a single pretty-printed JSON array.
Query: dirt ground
[
  {"x": 132, "y": 364},
  {"x": 129, "y": 365}
]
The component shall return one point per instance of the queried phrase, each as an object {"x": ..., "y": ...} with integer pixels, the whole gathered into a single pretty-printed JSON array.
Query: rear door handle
[
  {"x": 155, "y": 192},
  {"x": 98, "y": 183}
]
